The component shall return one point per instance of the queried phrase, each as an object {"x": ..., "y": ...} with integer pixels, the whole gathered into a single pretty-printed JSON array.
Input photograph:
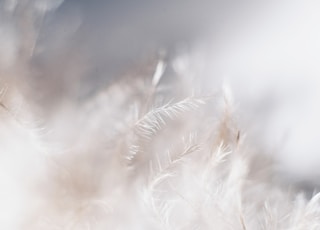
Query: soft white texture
[{"x": 159, "y": 148}]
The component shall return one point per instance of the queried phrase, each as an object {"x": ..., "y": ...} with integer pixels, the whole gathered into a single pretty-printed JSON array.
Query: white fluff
[{"x": 155, "y": 149}]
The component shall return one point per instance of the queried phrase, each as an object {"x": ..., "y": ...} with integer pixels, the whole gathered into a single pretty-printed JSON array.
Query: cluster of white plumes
[
  {"x": 148, "y": 151},
  {"x": 141, "y": 154}
]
